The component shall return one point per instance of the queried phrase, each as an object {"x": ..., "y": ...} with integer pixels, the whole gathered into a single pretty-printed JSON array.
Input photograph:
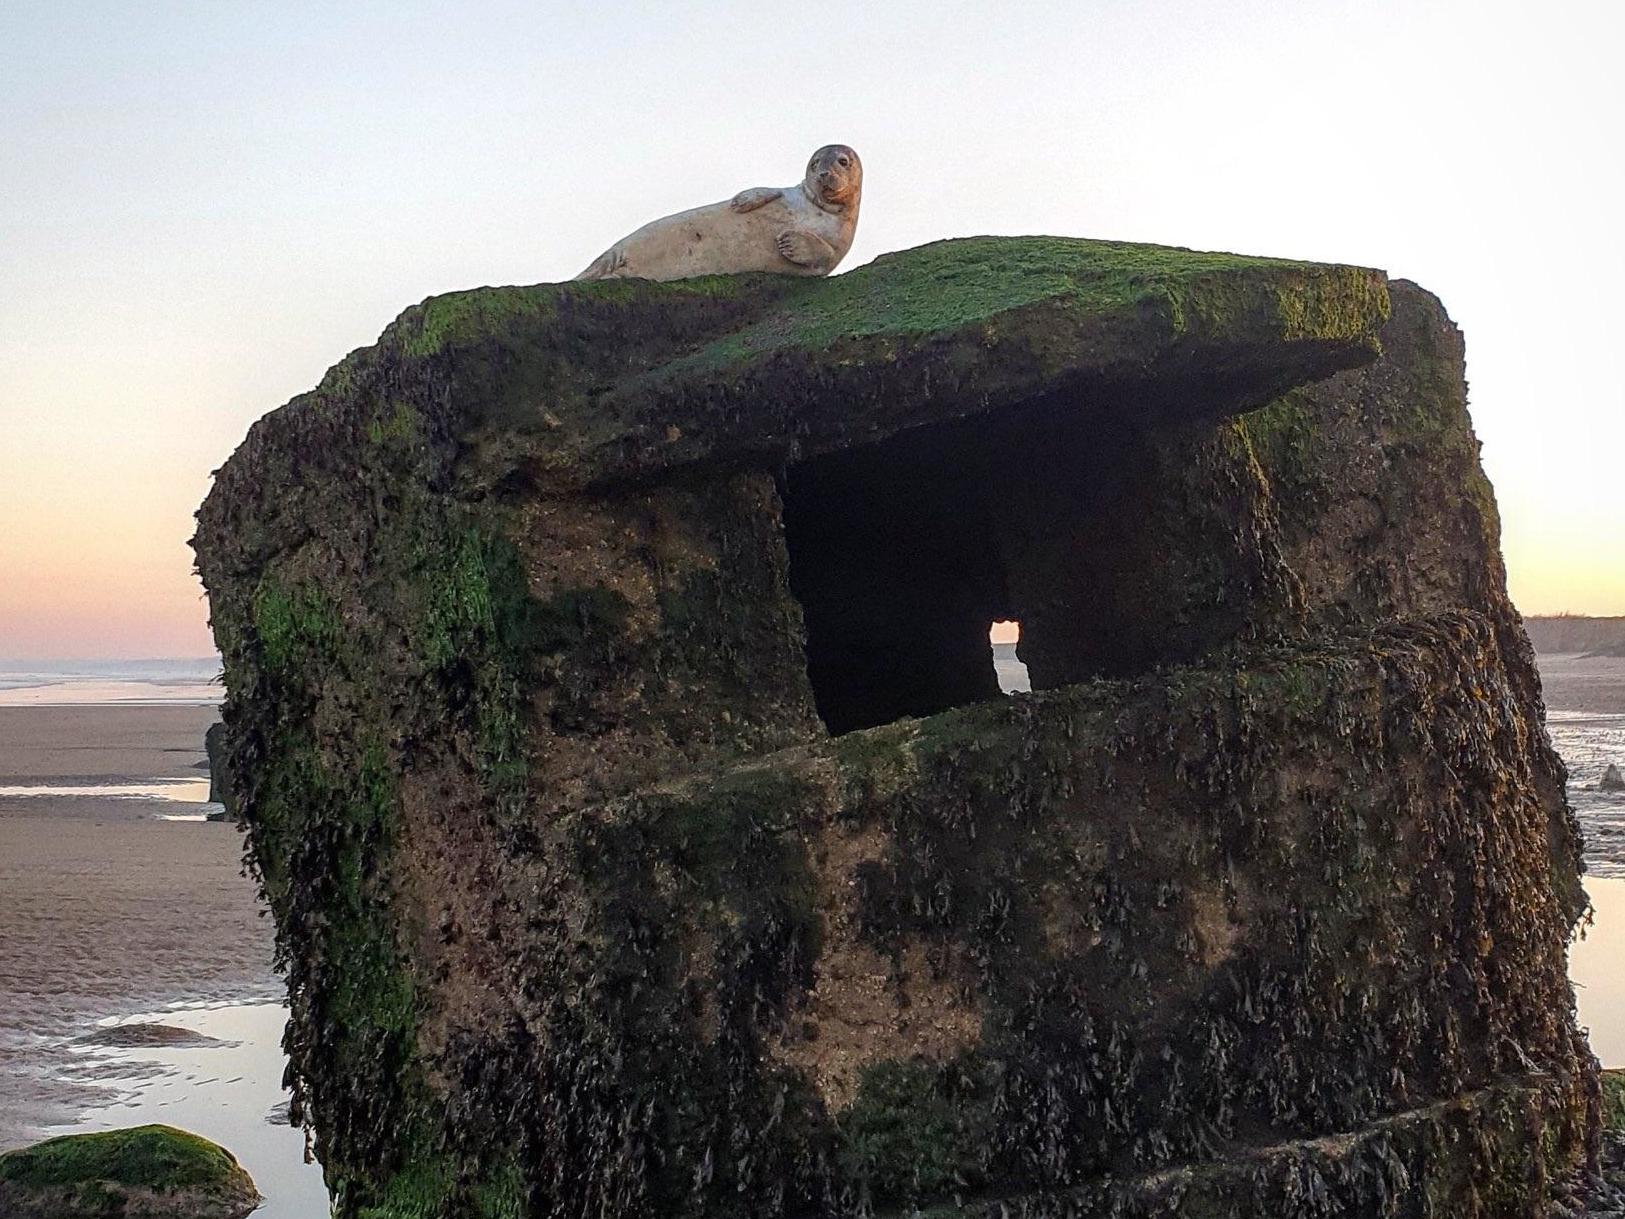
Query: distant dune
[{"x": 1575, "y": 633}]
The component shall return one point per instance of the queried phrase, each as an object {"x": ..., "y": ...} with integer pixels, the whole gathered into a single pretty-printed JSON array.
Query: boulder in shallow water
[
  {"x": 1612, "y": 780},
  {"x": 145, "y": 1172}
]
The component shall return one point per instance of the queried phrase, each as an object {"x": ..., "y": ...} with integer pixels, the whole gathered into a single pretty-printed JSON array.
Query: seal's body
[{"x": 804, "y": 229}]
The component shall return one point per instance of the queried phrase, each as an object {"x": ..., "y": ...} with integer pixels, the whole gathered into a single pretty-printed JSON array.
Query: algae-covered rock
[
  {"x": 145, "y": 1172},
  {"x": 613, "y": 720},
  {"x": 221, "y": 791}
]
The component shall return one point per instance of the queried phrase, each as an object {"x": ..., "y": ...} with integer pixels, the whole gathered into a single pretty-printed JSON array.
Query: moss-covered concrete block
[{"x": 618, "y": 741}]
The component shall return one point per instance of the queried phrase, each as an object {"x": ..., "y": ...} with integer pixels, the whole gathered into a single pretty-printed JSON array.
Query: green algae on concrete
[
  {"x": 949, "y": 285},
  {"x": 145, "y": 1172},
  {"x": 938, "y": 331},
  {"x": 1613, "y": 1100}
]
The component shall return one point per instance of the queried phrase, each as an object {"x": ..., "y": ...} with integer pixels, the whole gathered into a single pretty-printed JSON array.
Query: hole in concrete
[
  {"x": 904, "y": 552},
  {"x": 893, "y": 556}
]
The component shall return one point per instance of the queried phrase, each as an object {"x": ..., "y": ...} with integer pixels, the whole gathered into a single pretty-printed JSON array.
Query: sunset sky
[{"x": 204, "y": 205}]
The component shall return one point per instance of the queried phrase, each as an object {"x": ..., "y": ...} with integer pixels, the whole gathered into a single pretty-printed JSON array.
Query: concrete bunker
[{"x": 569, "y": 877}]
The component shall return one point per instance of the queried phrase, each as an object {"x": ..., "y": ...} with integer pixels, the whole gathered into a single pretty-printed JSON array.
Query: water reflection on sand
[
  {"x": 216, "y": 1071},
  {"x": 1594, "y": 964},
  {"x": 187, "y": 790}
]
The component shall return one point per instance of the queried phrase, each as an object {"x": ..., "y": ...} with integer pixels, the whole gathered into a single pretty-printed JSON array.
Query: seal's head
[{"x": 834, "y": 177}]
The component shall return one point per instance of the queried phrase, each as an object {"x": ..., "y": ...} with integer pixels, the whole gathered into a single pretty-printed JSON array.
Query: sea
[
  {"x": 78, "y": 683},
  {"x": 217, "y": 1068}
]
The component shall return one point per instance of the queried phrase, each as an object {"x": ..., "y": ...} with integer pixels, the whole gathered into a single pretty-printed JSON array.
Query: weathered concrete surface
[{"x": 616, "y": 734}]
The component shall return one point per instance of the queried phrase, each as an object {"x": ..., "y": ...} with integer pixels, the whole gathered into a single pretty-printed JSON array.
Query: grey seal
[{"x": 805, "y": 229}]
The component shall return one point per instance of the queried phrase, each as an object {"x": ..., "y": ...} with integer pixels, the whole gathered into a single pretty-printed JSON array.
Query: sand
[
  {"x": 106, "y": 908},
  {"x": 1588, "y": 685},
  {"x": 101, "y": 742}
]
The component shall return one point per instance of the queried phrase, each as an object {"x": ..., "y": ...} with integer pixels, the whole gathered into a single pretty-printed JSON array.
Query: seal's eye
[{"x": 843, "y": 162}]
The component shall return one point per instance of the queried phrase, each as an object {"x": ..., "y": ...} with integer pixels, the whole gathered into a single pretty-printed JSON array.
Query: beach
[
  {"x": 108, "y": 906},
  {"x": 135, "y": 960}
]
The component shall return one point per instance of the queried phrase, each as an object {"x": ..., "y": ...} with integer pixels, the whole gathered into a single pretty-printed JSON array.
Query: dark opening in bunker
[{"x": 905, "y": 552}]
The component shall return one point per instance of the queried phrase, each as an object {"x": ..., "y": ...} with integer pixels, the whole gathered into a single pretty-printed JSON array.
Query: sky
[{"x": 204, "y": 205}]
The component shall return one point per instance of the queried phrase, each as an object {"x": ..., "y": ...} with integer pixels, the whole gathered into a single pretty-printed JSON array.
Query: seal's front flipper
[
  {"x": 607, "y": 265},
  {"x": 754, "y": 197},
  {"x": 807, "y": 250}
]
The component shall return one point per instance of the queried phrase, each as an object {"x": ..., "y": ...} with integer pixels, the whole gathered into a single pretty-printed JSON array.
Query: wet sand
[
  {"x": 1583, "y": 685},
  {"x": 105, "y": 907},
  {"x": 103, "y": 742},
  {"x": 1585, "y": 712}
]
